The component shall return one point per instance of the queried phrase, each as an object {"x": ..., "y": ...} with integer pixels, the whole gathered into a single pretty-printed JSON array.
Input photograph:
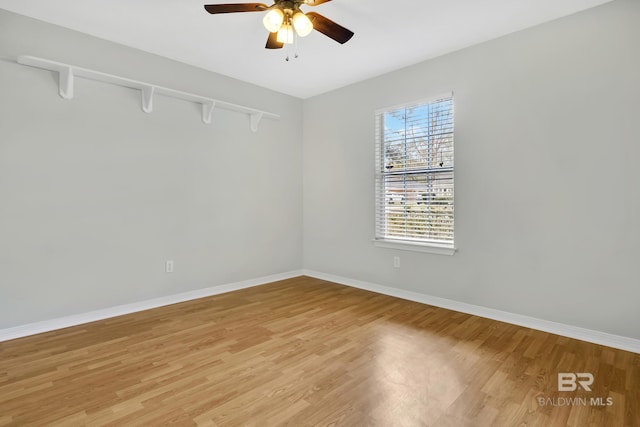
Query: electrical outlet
[
  {"x": 168, "y": 266},
  {"x": 396, "y": 262}
]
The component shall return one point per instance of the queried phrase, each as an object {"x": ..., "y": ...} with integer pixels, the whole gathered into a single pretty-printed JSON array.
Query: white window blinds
[{"x": 414, "y": 173}]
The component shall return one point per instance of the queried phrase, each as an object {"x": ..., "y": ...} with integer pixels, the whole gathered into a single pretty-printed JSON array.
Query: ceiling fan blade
[
  {"x": 315, "y": 2},
  {"x": 272, "y": 42},
  {"x": 235, "y": 7},
  {"x": 329, "y": 28}
]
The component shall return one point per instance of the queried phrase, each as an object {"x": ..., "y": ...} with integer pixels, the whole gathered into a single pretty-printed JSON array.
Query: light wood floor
[{"x": 307, "y": 352}]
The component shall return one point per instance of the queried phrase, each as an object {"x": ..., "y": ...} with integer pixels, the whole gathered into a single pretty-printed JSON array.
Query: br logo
[{"x": 568, "y": 381}]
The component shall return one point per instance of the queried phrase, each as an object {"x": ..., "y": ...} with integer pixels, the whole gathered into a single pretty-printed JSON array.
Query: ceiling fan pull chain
[{"x": 287, "y": 48}]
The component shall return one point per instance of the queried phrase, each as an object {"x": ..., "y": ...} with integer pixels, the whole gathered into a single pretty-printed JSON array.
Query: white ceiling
[{"x": 388, "y": 34}]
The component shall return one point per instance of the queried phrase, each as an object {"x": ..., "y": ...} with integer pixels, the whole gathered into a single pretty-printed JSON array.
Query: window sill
[{"x": 418, "y": 247}]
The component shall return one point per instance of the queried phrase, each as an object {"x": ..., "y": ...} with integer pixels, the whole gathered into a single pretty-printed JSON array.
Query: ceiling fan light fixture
[
  {"x": 302, "y": 24},
  {"x": 273, "y": 20},
  {"x": 285, "y": 33}
]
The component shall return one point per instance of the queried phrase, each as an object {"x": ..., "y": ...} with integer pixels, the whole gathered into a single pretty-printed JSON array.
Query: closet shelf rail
[{"x": 67, "y": 73}]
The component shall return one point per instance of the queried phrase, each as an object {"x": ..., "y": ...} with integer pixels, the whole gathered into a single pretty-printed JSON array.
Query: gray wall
[
  {"x": 95, "y": 195},
  {"x": 547, "y": 174}
]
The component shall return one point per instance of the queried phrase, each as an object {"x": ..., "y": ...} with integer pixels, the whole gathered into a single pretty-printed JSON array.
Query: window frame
[{"x": 399, "y": 243}]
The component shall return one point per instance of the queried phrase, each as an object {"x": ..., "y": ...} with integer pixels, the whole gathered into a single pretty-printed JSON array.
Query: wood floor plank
[{"x": 309, "y": 352}]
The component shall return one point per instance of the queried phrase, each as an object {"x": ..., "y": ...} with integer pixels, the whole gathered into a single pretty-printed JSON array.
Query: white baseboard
[
  {"x": 92, "y": 316},
  {"x": 596, "y": 337}
]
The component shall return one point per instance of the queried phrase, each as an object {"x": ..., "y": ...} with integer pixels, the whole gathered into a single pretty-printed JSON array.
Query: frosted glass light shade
[
  {"x": 273, "y": 20},
  {"x": 285, "y": 34},
  {"x": 302, "y": 24}
]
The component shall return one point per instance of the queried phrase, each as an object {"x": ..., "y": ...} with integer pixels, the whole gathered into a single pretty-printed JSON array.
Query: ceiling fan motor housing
[{"x": 288, "y": 6}]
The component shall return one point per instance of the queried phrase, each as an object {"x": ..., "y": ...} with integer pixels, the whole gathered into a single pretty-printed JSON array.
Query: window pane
[
  {"x": 419, "y": 137},
  {"x": 419, "y": 206}
]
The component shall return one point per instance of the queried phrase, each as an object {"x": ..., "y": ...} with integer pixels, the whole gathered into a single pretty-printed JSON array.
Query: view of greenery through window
[{"x": 415, "y": 188}]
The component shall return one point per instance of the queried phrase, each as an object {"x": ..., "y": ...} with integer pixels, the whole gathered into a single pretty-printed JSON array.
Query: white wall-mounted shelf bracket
[
  {"x": 255, "y": 120},
  {"x": 65, "y": 82},
  {"x": 207, "y": 111},
  {"x": 67, "y": 74},
  {"x": 147, "y": 98}
]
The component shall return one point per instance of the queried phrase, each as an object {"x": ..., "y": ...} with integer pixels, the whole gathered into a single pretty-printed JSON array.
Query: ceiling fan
[{"x": 285, "y": 16}]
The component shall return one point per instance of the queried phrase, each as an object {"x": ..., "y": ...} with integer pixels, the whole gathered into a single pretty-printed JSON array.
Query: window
[{"x": 414, "y": 176}]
